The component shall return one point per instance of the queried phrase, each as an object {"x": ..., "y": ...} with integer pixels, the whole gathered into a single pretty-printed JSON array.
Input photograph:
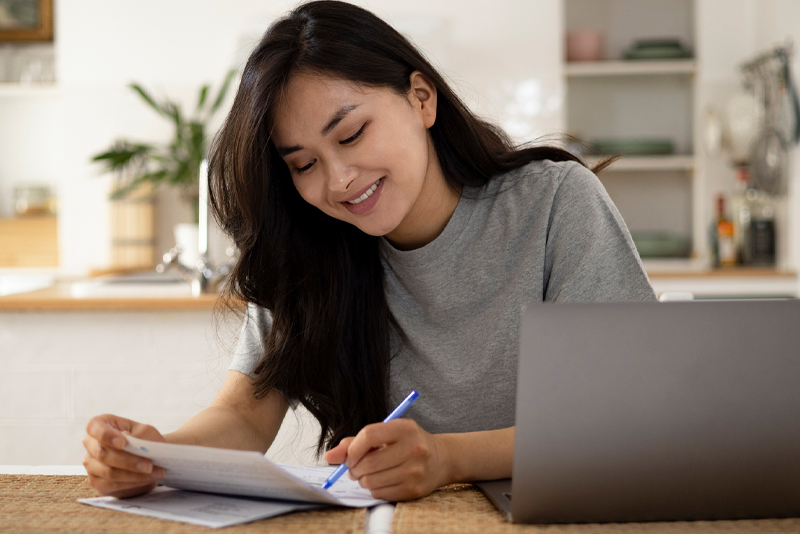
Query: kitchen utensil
[
  {"x": 661, "y": 245},
  {"x": 768, "y": 163},
  {"x": 634, "y": 146},
  {"x": 584, "y": 46},
  {"x": 657, "y": 49}
]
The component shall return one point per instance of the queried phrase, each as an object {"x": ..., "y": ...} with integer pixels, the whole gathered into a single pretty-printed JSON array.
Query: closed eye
[
  {"x": 303, "y": 169},
  {"x": 354, "y": 136}
]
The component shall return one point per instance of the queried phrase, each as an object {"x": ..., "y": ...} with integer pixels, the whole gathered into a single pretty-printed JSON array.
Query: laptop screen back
[{"x": 658, "y": 411}]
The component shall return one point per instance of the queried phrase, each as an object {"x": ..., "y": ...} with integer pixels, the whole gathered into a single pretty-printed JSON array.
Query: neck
[{"x": 432, "y": 211}]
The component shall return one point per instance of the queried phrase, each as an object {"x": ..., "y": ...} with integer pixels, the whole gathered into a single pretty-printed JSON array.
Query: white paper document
[
  {"x": 202, "y": 509},
  {"x": 247, "y": 473}
]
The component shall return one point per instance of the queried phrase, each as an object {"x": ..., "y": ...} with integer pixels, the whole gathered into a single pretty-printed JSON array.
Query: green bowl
[
  {"x": 634, "y": 147},
  {"x": 661, "y": 245}
]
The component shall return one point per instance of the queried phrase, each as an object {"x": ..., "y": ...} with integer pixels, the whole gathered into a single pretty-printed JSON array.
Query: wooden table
[{"x": 46, "y": 503}]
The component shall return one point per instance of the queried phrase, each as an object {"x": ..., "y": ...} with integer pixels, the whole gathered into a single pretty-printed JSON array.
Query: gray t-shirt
[{"x": 545, "y": 232}]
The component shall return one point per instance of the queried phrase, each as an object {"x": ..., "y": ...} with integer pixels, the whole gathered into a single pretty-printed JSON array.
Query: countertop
[
  {"x": 719, "y": 281},
  {"x": 59, "y": 298}
]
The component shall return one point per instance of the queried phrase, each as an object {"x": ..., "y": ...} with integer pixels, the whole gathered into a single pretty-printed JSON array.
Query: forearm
[
  {"x": 475, "y": 456},
  {"x": 221, "y": 426}
]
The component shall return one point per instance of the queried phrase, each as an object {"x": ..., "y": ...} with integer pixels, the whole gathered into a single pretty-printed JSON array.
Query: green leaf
[
  {"x": 119, "y": 157},
  {"x": 202, "y": 100},
  {"x": 147, "y": 98},
  {"x": 154, "y": 177},
  {"x": 223, "y": 90}
]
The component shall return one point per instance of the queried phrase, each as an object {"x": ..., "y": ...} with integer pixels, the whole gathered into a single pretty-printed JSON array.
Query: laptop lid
[{"x": 658, "y": 411}]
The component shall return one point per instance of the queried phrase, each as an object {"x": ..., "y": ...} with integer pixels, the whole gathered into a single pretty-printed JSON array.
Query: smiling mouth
[{"x": 367, "y": 193}]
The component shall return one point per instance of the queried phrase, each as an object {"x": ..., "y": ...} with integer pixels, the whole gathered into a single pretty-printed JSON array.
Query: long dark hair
[{"x": 322, "y": 280}]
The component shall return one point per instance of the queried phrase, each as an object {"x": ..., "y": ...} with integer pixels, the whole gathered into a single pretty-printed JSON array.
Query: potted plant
[{"x": 174, "y": 164}]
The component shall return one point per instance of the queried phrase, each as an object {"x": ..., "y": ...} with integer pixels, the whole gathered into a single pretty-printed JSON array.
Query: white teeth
[{"x": 366, "y": 195}]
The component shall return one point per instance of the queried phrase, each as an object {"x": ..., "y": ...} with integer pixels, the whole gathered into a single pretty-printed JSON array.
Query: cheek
[{"x": 310, "y": 191}]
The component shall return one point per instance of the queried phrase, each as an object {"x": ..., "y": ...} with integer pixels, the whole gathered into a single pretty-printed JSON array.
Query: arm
[
  {"x": 235, "y": 420},
  {"x": 399, "y": 460}
]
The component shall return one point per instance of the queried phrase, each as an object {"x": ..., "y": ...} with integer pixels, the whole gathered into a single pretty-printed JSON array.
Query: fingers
[
  {"x": 379, "y": 459},
  {"x": 107, "y": 430},
  {"x": 376, "y": 435},
  {"x": 111, "y": 470},
  {"x": 338, "y": 454},
  {"x": 115, "y": 458},
  {"x": 400, "y": 483}
]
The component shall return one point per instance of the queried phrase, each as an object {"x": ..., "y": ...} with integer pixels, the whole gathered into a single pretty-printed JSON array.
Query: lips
[
  {"x": 364, "y": 194},
  {"x": 365, "y": 204}
]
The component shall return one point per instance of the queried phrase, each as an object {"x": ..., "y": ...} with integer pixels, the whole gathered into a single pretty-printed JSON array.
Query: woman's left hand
[{"x": 396, "y": 461}]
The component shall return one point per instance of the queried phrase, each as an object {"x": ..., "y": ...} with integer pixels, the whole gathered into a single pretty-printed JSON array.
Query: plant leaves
[
  {"x": 202, "y": 99},
  {"x": 147, "y": 98},
  {"x": 154, "y": 177},
  {"x": 222, "y": 91}
]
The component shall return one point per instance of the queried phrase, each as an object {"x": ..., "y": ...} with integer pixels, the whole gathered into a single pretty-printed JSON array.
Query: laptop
[{"x": 656, "y": 412}]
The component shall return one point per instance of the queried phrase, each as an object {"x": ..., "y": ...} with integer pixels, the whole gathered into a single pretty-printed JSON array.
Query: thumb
[{"x": 338, "y": 454}]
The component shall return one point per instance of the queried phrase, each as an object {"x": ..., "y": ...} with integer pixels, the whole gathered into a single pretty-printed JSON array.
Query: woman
[{"x": 388, "y": 240}]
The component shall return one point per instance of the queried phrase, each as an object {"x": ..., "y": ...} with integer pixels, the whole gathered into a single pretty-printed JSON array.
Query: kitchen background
[{"x": 679, "y": 109}]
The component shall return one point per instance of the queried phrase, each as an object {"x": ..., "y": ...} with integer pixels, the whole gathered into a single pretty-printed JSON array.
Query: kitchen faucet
[{"x": 204, "y": 276}]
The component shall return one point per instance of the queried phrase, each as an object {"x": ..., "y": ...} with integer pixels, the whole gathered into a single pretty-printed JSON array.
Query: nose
[{"x": 341, "y": 177}]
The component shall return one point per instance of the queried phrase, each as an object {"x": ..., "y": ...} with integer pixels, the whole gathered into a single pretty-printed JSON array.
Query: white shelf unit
[
  {"x": 616, "y": 99},
  {"x": 629, "y": 68}
]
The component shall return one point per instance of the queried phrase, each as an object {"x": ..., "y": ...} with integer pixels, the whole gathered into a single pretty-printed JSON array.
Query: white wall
[
  {"x": 503, "y": 57},
  {"x": 62, "y": 368}
]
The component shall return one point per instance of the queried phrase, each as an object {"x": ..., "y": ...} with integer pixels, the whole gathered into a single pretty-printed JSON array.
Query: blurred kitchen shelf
[
  {"x": 647, "y": 163},
  {"x": 629, "y": 68},
  {"x": 8, "y": 89},
  {"x": 697, "y": 268}
]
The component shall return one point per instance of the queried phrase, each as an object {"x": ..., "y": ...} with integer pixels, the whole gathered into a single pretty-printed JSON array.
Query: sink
[
  {"x": 146, "y": 284},
  {"x": 11, "y": 284}
]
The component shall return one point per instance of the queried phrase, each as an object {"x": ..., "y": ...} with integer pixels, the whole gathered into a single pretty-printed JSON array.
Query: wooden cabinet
[{"x": 29, "y": 242}]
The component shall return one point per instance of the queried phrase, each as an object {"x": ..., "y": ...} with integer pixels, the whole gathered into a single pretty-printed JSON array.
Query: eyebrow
[{"x": 336, "y": 119}]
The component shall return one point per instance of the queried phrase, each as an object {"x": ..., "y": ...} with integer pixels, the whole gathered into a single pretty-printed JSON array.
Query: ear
[{"x": 423, "y": 97}]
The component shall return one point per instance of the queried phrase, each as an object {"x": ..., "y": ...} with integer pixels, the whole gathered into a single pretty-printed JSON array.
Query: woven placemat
[
  {"x": 38, "y": 503},
  {"x": 463, "y": 509}
]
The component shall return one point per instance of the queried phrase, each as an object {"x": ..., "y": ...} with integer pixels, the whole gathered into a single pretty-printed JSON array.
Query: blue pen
[{"x": 397, "y": 412}]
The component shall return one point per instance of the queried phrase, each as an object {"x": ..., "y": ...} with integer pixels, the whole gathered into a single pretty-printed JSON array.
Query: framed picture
[{"x": 26, "y": 20}]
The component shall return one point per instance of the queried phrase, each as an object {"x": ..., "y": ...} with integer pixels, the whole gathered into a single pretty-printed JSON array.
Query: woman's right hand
[{"x": 111, "y": 470}]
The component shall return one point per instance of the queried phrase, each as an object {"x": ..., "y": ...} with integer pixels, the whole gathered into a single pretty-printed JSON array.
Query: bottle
[
  {"x": 753, "y": 222},
  {"x": 725, "y": 247},
  {"x": 740, "y": 213},
  {"x": 761, "y": 239}
]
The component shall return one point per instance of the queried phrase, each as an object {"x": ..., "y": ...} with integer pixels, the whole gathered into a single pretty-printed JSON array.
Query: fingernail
[
  {"x": 159, "y": 473},
  {"x": 119, "y": 442},
  {"x": 144, "y": 467}
]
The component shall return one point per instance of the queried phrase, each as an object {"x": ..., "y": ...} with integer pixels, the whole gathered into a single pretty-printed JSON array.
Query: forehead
[{"x": 310, "y": 100}]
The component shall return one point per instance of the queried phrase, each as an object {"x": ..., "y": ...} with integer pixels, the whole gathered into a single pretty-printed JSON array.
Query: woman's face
[{"x": 362, "y": 154}]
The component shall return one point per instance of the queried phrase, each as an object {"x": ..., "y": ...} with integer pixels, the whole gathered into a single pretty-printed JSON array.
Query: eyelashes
[
  {"x": 355, "y": 135},
  {"x": 347, "y": 141}
]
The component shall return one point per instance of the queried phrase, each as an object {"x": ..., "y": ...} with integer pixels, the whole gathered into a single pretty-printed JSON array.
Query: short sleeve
[
  {"x": 589, "y": 255},
  {"x": 250, "y": 347}
]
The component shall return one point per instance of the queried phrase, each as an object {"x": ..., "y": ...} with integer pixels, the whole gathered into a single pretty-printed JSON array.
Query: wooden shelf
[{"x": 630, "y": 68}]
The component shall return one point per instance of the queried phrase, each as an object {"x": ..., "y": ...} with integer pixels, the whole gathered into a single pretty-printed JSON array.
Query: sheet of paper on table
[
  {"x": 247, "y": 473},
  {"x": 234, "y": 486},
  {"x": 204, "y": 509}
]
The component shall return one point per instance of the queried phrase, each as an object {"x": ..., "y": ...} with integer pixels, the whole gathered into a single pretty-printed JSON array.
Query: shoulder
[{"x": 540, "y": 184}]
